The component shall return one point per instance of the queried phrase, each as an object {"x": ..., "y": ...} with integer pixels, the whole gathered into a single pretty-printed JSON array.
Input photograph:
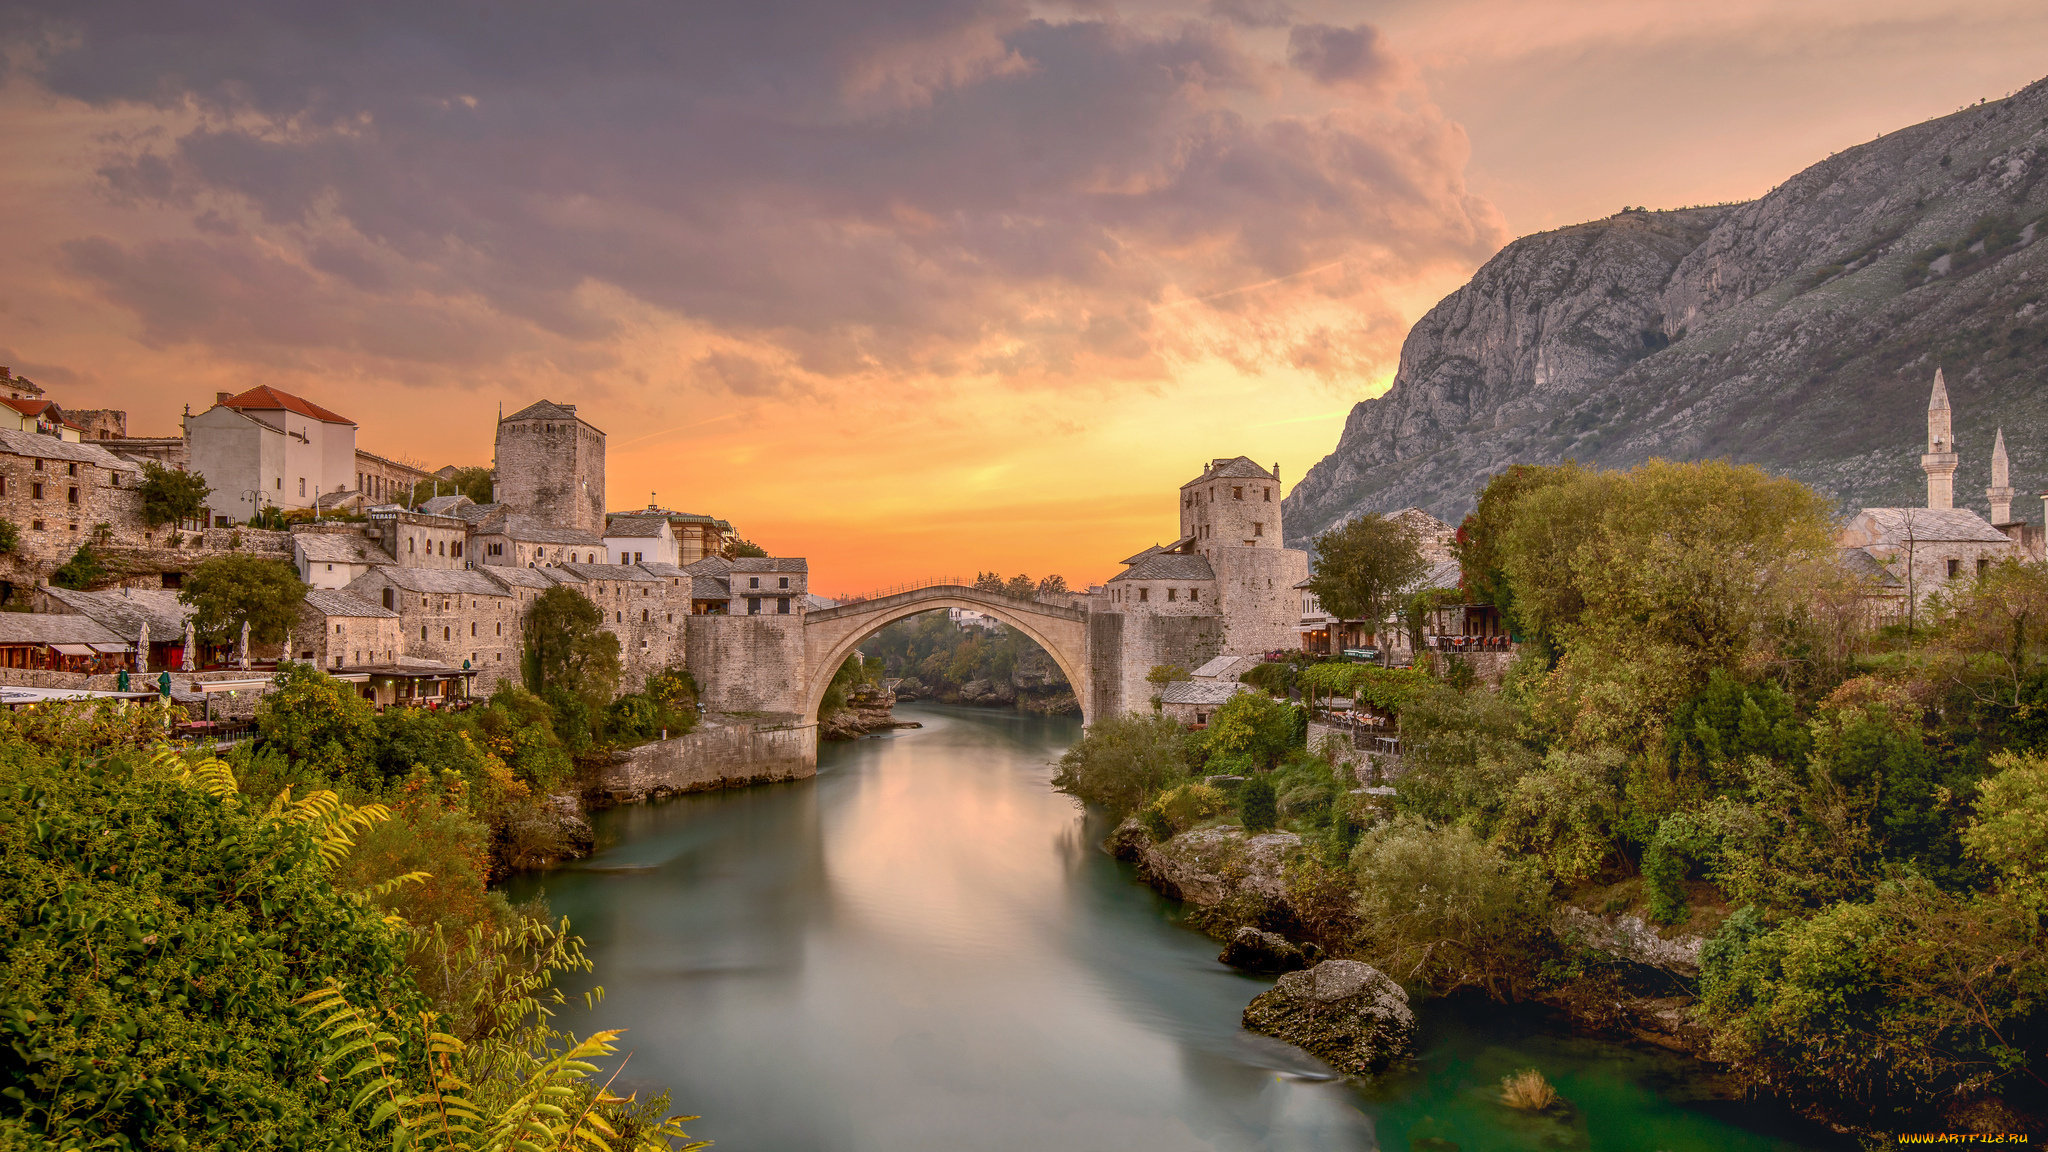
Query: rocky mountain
[{"x": 1799, "y": 331}]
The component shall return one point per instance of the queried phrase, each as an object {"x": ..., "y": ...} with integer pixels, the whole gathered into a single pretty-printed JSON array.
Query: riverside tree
[
  {"x": 228, "y": 591},
  {"x": 568, "y": 652},
  {"x": 1364, "y": 568}
]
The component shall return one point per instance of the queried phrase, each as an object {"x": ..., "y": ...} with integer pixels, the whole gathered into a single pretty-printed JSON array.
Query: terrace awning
[{"x": 73, "y": 649}]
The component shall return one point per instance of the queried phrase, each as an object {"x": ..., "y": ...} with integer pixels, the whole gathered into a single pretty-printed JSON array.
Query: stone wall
[
  {"x": 553, "y": 469},
  {"x": 724, "y": 752},
  {"x": 747, "y": 663},
  {"x": 1141, "y": 642},
  {"x": 1261, "y": 609}
]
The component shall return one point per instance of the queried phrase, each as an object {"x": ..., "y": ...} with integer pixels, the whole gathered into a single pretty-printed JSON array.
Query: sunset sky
[{"x": 911, "y": 289}]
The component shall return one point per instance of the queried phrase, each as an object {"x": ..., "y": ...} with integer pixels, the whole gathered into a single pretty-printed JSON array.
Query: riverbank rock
[
  {"x": 988, "y": 692},
  {"x": 1267, "y": 953},
  {"x": 550, "y": 830},
  {"x": 1208, "y": 865},
  {"x": 1351, "y": 1015},
  {"x": 864, "y": 715},
  {"x": 1629, "y": 938},
  {"x": 1057, "y": 704}
]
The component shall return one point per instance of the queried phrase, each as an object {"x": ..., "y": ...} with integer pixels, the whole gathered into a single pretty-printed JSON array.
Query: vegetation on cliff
[
  {"x": 1709, "y": 730},
  {"x": 943, "y": 658},
  {"x": 293, "y": 949}
]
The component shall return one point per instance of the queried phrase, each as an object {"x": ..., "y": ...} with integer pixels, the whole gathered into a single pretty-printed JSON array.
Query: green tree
[
  {"x": 474, "y": 482},
  {"x": 988, "y": 582},
  {"x": 321, "y": 722},
  {"x": 1440, "y": 906},
  {"x": 1364, "y": 568},
  {"x": 1253, "y": 730},
  {"x": 568, "y": 650},
  {"x": 10, "y": 536},
  {"x": 2010, "y": 833},
  {"x": 740, "y": 549},
  {"x": 1257, "y": 806},
  {"x": 83, "y": 570},
  {"x": 1052, "y": 585},
  {"x": 1482, "y": 560},
  {"x": 169, "y": 495},
  {"x": 227, "y": 591},
  {"x": 1120, "y": 760},
  {"x": 1020, "y": 587}
]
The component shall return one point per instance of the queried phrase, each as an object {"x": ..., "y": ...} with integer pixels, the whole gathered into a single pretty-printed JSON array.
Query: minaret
[
  {"x": 1940, "y": 461},
  {"x": 2001, "y": 483}
]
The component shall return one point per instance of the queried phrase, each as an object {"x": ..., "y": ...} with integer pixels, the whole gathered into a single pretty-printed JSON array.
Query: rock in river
[
  {"x": 1264, "y": 952},
  {"x": 1208, "y": 865},
  {"x": 1352, "y": 1015}
]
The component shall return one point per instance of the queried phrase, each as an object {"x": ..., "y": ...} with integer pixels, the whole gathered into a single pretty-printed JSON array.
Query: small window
[
  {"x": 39, "y": 464},
  {"x": 1954, "y": 568},
  {"x": 302, "y": 485},
  {"x": 337, "y": 629},
  {"x": 753, "y": 581},
  {"x": 782, "y": 605},
  {"x": 423, "y": 631},
  {"x": 71, "y": 495},
  {"x": 409, "y": 542},
  {"x": 1258, "y": 529},
  {"x": 280, "y": 483},
  {"x": 753, "y": 605},
  {"x": 37, "y": 525},
  {"x": 447, "y": 633},
  {"x": 1983, "y": 565},
  {"x": 784, "y": 583},
  {"x": 1172, "y": 594},
  {"x": 1195, "y": 594},
  {"x": 472, "y": 628},
  {"x": 71, "y": 469},
  {"x": 1144, "y": 594},
  {"x": 1237, "y": 493},
  {"x": 1269, "y": 495},
  {"x": 390, "y": 599},
  {"x": 501, "y": 627},
  {"x": 643, "y": 616},
  {"x": 35, "y": 491}
]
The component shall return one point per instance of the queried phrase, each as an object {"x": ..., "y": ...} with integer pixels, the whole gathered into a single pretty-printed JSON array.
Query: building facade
[
  {"x": 267, "y": 447},
  {"x": 550, "y": 466}
]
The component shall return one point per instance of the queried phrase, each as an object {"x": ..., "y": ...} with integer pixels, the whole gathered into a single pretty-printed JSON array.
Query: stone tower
[
  {"x": 2000, "y": 491},
  {"x": 1940, "y": 461},
  {"x": 550, "y": 465}
]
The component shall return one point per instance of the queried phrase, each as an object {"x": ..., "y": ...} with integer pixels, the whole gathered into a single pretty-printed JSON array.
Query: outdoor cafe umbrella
[
  {"x": 142, "y": 650},
  {"x": 191, "y": 645},
  {"x": 245, "y": 645}
]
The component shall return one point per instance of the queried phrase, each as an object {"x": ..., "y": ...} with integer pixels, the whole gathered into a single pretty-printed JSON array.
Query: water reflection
[{"x": 922, "y": 949}]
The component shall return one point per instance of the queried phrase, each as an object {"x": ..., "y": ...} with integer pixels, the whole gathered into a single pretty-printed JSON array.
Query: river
[{"x": 923, "y": 949}]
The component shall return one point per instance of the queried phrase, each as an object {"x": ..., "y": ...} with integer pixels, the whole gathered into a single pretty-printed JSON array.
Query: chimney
[{"x": 221, "y": 397}]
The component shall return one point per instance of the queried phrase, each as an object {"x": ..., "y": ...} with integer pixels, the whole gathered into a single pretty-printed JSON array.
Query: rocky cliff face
[{"x": 1799, "y": 331}]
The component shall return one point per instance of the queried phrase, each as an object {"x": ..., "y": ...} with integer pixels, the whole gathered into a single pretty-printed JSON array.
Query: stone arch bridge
[{"x": 832, "y": 634}]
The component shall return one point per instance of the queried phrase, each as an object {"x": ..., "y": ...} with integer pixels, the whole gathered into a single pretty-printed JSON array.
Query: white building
[
  {"x": 634, "y": 539},
  {"x": 268, "y": 447}
]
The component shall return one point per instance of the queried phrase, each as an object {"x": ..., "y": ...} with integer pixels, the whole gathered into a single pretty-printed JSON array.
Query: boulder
[
  {"x": 1208, "y": 865},
  {"x": 1267, "y": 953},
  {"x": 1630, "y": 938},
  {"x": 1351, "y": 1015}
]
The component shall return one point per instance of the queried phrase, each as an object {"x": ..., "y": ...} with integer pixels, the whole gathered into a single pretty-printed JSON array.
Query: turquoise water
[{"x": 923, "y": 949}]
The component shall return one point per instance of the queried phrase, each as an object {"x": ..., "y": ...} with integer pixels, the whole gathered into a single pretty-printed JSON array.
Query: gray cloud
[
  {"x": 1253, "y": 13},
  {"x": 860, "y": 188},
  {"x": 1341, "y": 56}
]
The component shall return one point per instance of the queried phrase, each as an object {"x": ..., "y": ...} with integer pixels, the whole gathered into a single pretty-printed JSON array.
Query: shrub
[
  {"x": 82, "y": 571},
  {"x": 1256, "y": 727},
  {"x": 1122, "y": 759},
  {"x": 319, "y": 723},
  {"x": 1256, "y": 804},
  {"x": 1527, "y": 1090},
  {"x": 10, "y": 536},
  {"x": 1178, "y": 809},
  {"x": 227, "y": 591},
  {"x": 1440, "y": 906}
]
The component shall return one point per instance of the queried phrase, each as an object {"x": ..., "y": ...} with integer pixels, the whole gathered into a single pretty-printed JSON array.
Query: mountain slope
[{"x": 1799, "y": 331}]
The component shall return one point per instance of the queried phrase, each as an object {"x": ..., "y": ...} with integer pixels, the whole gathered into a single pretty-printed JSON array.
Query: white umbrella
[
  {"x": 245, "y": 645},
  {"x": 286, "y": 653},
  {"x": 191, "y": 646},
  {"x": 142, "y": 651}
]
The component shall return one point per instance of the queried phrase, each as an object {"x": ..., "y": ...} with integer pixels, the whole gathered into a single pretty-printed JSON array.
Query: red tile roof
[
  {"x": 267, "y": 397},
  {"x": 27, "y": 407}
]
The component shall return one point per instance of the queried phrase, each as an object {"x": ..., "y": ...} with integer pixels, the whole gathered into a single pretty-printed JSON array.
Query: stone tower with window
[{"x": 550, "y": 465}]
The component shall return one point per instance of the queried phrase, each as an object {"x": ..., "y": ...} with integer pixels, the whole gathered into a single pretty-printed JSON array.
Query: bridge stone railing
[{"x": 939, "y": 591}]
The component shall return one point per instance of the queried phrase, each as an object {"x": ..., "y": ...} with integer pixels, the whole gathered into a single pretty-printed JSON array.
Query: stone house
[
  {"x": 42, "y": 417},
  {"x": 339, "y": 630},
  {"x": 124, "y": 612},
  {"x": 646, "y": 611},
  {"x": 333, "y": 556},
  {"x": 420, "y": 540},
  {"x": 382, "y": 480},
  {"x": 56, "y": 492},
  {"x": 60, "y": 643},
  {"x": 763, "y": 585},
  {"x": 638, "y": 539},
  {"x": 267, "y": 446},
  {"x": 697, "y": 536},
  {"x": 448, "y": 617},
  {"x": 514, "y": 540},
  {"x": 1192, "y": 702}
]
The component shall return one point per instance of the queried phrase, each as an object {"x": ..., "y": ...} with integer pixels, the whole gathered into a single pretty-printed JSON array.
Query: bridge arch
[{"x": 832, "y": 634}]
